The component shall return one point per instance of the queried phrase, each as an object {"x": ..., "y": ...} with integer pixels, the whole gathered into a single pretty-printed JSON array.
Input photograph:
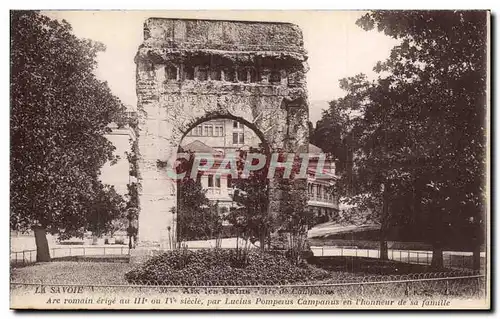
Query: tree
[
  {"x": 250, "y": 215},
  {"x": 197, "y": 218},
  {"x": 436, "y": 94},
  {"x": 132, "y": 206},
  {"x": 344, "y": 133},
  {"x": 294, "y": 217},
  {"x": 416, "y": 143},
  {"x": 107, "y": 208},
  {"x": 59, "y": 114}
]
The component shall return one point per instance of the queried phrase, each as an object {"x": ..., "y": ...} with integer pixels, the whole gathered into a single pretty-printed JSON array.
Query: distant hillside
[{"x": 315, "y": 109}]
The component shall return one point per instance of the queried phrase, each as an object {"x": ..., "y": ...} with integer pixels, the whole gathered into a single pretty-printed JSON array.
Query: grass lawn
[
  {"x": 362, "y": 266},
  {"x": 73, "y": 273}
]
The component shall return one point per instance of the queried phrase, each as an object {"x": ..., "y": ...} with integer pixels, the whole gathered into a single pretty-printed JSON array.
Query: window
[
  {"x": 229, "y": 181},
  {"x": 275, "y": 76},
  {"x": 238, "y": 138},
  {"x": 148, "y": 67},
  {"x": 202, "y": 73},
  {"x": 198, "y": 131},
  {"x": 188, "y": 72},
  {"x": 217, "y": 181},
  {"x": 210, "y": 181},
  {"x": 253, "y": 75},
  {"x": 318, "y": 191},
  {"x": 219, "y": 130},
  {"x": 215, "y": 75},
  {"x": 171, "y": 72},
  {"x": 237, "y": 125},
  {"x": 242, "y": 75},
  {"x": 209, "y": 130},
  {"x": 229, "y": 75}
]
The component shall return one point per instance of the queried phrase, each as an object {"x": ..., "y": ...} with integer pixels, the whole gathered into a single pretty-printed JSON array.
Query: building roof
[
  {"x": 198, "y": 147},
  {"x": 311, "y": 149},
  {"x": 335, "y": 229}
]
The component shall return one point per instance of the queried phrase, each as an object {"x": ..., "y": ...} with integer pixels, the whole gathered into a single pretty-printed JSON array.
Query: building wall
[
  {"x": 321, "y": 201},
  {"x": 221, "y": 134},
  {"x": 117, "y": 174}
]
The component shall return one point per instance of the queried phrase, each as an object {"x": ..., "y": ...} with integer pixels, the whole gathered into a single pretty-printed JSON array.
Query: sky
[{"x": 336, "y": 46}]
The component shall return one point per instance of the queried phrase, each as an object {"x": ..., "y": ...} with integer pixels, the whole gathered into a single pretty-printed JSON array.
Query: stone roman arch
[{"x": 189, "y": 71}]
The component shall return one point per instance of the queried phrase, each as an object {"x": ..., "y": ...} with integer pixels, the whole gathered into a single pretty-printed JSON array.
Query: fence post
[
  {"x": 407, "y": 288},
  {"x": 479, "y": 286},
  {"x": 23, "y": 257}
]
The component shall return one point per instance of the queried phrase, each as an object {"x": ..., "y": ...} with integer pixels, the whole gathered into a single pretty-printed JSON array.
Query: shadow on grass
[{"x": 368, "y": 266}]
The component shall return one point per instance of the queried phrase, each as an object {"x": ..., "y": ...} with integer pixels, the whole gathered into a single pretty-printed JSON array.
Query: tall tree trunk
[
  {"x": 262, "y": 240},
  {"x": 437, "y": 256},
  {"x": 42, "y": 245},
  {"x": 476, "y": 255},
  {"x": 383, "y": 253},
  {"x": 438, "y": 234}
]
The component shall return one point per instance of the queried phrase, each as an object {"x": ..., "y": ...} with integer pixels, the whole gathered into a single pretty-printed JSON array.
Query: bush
[{"x": 221, "y": 266}]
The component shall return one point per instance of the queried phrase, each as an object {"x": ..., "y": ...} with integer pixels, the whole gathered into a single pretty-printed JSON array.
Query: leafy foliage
[
  {"x": 250, "y": 216},
  {"x": 219, "y": 266},
  {"x": 415, "y": 139},
  {"x": 197, "y": 218},
  {"x": 59, "y": 114},
  {"x": 294, "y": 217}
]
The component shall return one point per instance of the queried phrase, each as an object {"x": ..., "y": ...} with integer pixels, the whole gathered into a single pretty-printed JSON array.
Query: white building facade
[
  {"x": 224, "y": 137},
  {"x": 117, "y": 173}
]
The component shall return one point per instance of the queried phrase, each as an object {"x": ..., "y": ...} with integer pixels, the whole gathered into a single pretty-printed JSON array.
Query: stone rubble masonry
[{"x": 170, "y": 104}]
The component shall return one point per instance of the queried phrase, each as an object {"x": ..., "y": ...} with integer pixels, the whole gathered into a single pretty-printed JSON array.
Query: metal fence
[
  {"x": 335, "y": 280},
  {"x": 27, "y": 257},
  {"x": 457, "y": 260},
  {"x": 456, "y": 284},
  {"x": 462, "y": 260}
]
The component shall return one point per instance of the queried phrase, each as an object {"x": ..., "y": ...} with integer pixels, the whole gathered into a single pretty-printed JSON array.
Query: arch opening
[{"x": 216, "y": 204}]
